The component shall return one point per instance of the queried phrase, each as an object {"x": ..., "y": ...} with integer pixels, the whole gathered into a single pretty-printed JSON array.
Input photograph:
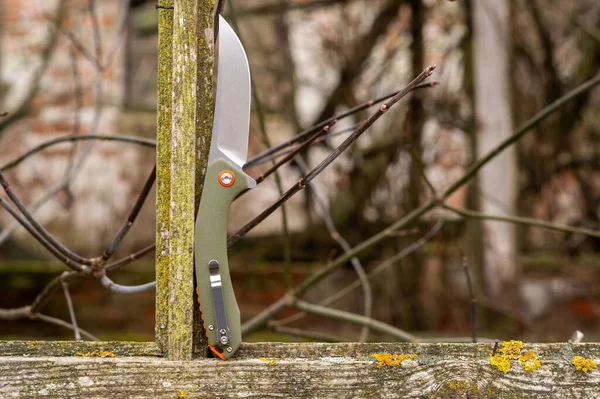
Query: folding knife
[{"x": 223, "y": 182}]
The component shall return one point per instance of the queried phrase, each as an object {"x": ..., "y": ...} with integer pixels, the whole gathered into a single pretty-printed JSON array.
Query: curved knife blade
[{"x": 232, "y": 104}]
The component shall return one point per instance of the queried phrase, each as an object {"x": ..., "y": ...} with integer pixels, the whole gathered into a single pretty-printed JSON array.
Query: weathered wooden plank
[
  {"x": 310, "y": 371},
  {"x": 72, "y": 348}
]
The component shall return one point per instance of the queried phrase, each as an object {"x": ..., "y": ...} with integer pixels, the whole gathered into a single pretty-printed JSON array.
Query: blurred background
[{"x": 85, "y": 67}]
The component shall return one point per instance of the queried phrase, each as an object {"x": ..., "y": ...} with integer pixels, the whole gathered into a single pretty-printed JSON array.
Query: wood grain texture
[
  {"x": 163, "y": 170},
  {"x": 306, "y": 371}
]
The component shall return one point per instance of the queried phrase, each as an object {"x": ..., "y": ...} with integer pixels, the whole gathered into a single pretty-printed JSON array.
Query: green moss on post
[
  {"x": 184, "y": 132},
  {"x": 163, "y": 171}
]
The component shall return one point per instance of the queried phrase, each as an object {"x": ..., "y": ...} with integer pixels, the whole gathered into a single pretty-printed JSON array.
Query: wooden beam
[
  {"x": 185, "y": 113},
  {"x": 163, "y": 170},
  {"x": 308, "y": 370}
]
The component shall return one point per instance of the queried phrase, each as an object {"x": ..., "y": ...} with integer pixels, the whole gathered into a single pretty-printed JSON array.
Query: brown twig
[
  {"x": 65, "y": 286},
  {"x": 62, "y": 323},
  {"x": 260, "y": 158},
  {"x": 348, "y": 317},
  {"x": 36, "y": 234},
  {"x": 135, "y": 210},
  {"x": 71, "y": 138},
  {"x": 386, "y": 264},
  {"x": 49, "y": 239},
  {"x": 337, "y": 237},
  {"x": 129, "y": 258},
  {"x": 331, "y": 157},
  {"x": 295, "y": 152}
]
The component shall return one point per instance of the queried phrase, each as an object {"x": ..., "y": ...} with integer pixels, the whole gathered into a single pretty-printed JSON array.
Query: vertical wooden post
[
  {"x": 185, "y": 114},
  {"x": 163, "y": 171}
]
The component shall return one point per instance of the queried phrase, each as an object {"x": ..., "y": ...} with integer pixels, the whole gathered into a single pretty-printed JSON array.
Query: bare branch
[
  {"x": 123, "y": 289},
  {"x": 295, "y": 152},
  {"x": 524, "y": 221},
  {"x": 62, "y": 323},
  {"x": 110, "y": 250},
  {"x": 36, "y": 234},
  {"x": 71, "y": 138},
  {"x": 260, "y": 158},
  {"x": 340, "y": 315},
  {"x": 65, "y": 286},
  {"x": 39, "y": 228},
  {"x": 51, "y": 287},
  {"x": 331, "y": 157},
  {"x": 297, "y": 332},
  {"x": 129, "y": 258},
  {"x": 386, "y": 264},
  {"x": 419, "y": 165},
  {"x": 336, "y": 236}
]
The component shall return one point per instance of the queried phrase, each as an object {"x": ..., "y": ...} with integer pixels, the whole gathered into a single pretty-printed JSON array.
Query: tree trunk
[{"x": 491, "y": 46}]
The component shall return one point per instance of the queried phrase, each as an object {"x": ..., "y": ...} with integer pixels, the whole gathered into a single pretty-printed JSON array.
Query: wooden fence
[{"x": 176, "y": 366}]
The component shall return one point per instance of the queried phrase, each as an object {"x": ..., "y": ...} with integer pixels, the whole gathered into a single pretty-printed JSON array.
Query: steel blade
[{"x": 232, "y": 108}]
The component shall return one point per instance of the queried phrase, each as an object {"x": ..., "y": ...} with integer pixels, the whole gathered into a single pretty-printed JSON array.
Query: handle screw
[
  {"x": 211, "y": 327},
  {"x": 229, "y": 349},
  {"x": 224, "y": 340},
  {"x": 226, "y": 178}
]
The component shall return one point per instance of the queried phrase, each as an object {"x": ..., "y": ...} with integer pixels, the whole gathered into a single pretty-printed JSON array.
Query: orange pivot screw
[{"x": 226, "y": 178}]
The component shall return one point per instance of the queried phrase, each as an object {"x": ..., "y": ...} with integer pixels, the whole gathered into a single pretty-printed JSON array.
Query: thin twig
[
  {"x": 42, "y": 298},
  {"x": 331, "y": 157},
  {"x": 123, "y": 20},
  {"x": 34, "y": 206},
  {"x": 341, "y": 315},
  {"x": 337, "y": 237},
  {"x": 71, "y": 138},
  {"x": 78, "y": 105},
  {"x": 124, "y": 289},
  {"x": 36, "y": 234},
  {"x": 524, "y": 221},
  {"x": 306, "y": 133},
  {"x": 473, "y": 299},
  {"x": 386, "y": 264},
  {"x": 135, "y": 210},
  {"x": 295, "y": 152},
  {"x": 524, "y": 128},
  {"x": 129, "y": 258},
  {"x": 419, "y": 165},
  {"x": 297, "y": 332},
  {"x": 39, "y": 228},
  {"x": 62, "y": 323},
  {"x": 65, "y": 286}
]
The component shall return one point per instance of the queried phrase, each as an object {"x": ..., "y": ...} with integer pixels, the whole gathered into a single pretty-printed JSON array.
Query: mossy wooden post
[{"x": 185, "y": 109}]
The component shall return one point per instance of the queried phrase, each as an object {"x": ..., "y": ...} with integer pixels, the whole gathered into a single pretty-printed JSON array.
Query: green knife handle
[{"x": 211, "y": 246}]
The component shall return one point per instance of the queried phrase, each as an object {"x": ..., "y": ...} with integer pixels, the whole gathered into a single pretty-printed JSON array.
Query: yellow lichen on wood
[
  {"x": 584, "y": 364},
  {"x": 392, "y": 360},
  {"x": 512, "y": 350},
  {"x": 180, "y": 394},
  {"x": 501, "y": 362},
  {"x": 530, "y": 361},
  {"x": 270, "y": 363}
]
